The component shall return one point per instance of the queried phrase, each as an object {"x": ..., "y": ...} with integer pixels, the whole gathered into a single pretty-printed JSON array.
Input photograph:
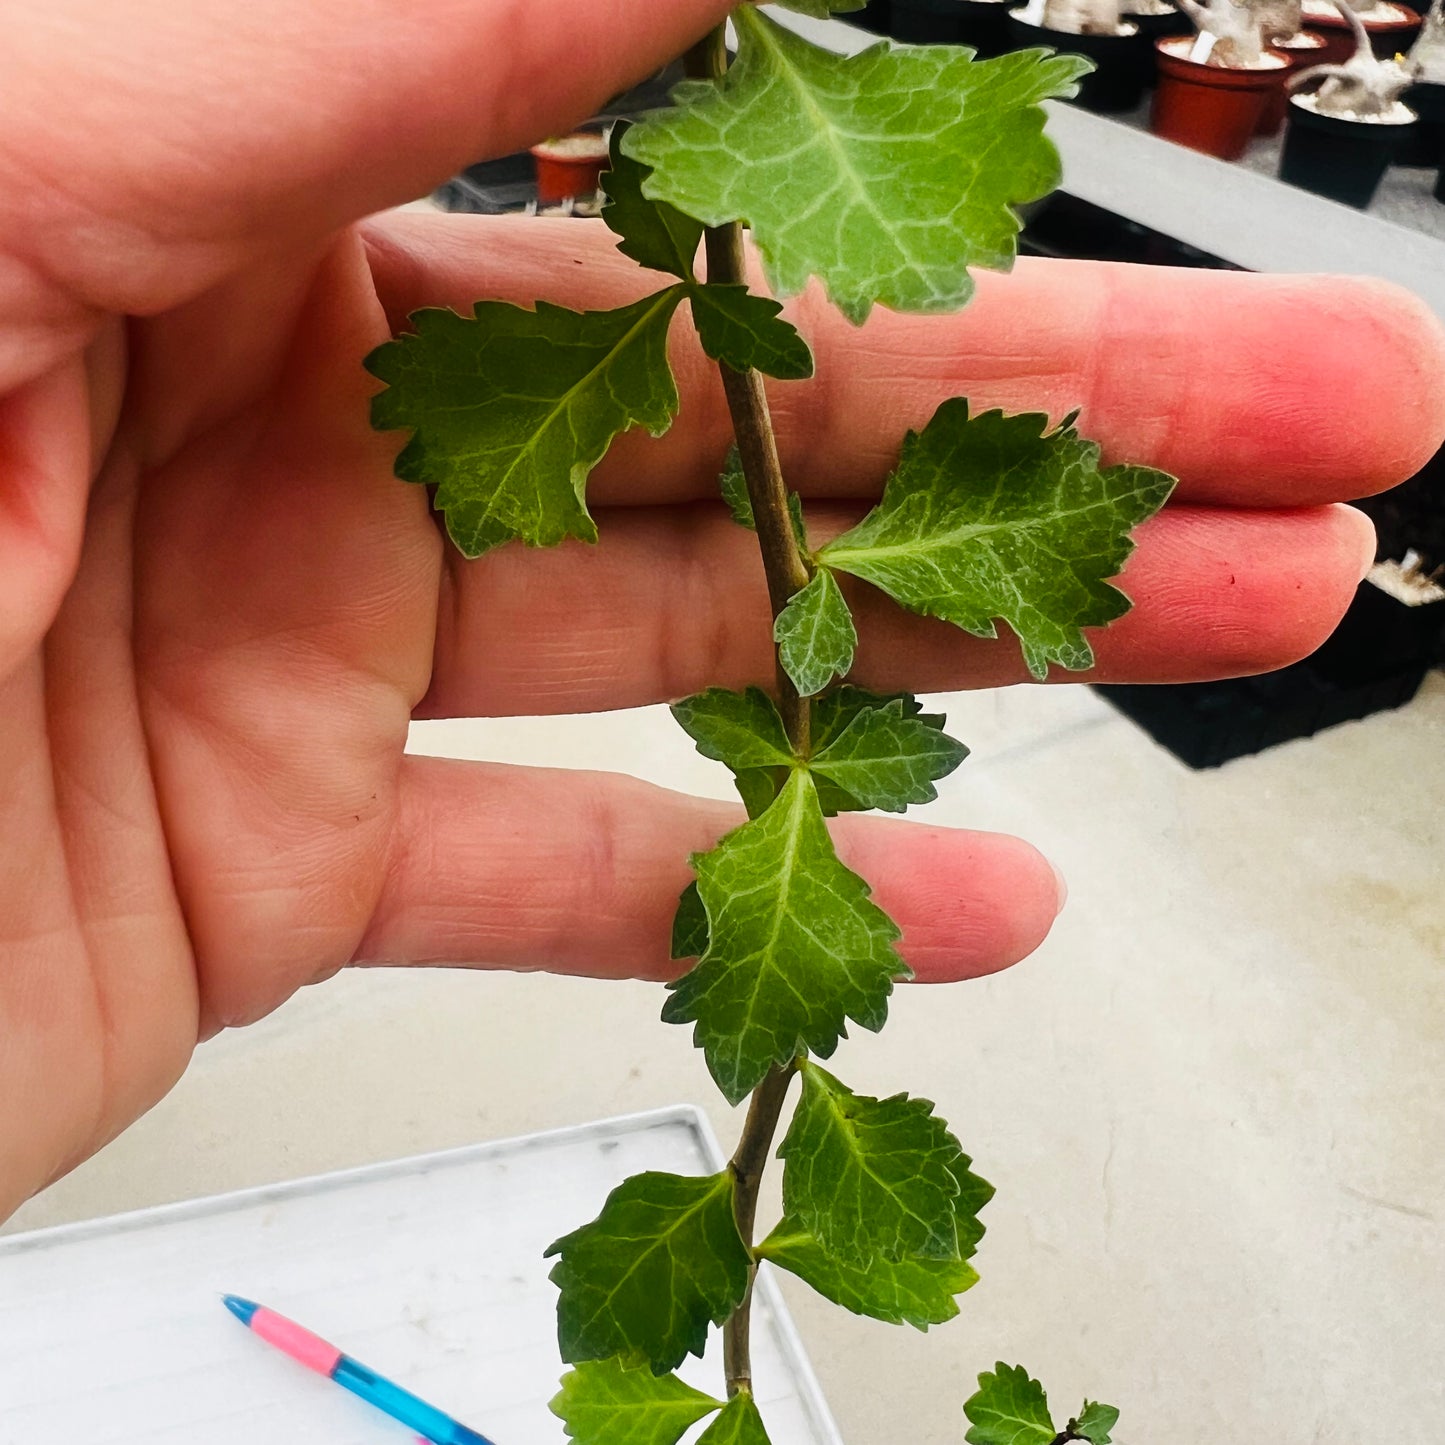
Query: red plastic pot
[
  {"x": 1210, "y": 108},
  {"x": 1392, "y": 30},
  {"x": 1302, "y": 51},
  {"x": 569, "y": 166}
]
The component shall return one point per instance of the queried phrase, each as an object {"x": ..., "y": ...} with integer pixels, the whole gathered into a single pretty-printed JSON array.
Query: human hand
[{"x": 219, "y": 611}]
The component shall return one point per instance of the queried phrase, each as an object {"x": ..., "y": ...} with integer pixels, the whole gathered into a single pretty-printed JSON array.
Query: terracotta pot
[
  {"x": 1116, "y": 82},
  {"x": 1302, "y": 51},
  {"x": 1331, "y": 156},
  {"x": 1392, "y": 29},
  {"x": 982, "y": 24},
  {"x": 569, "y": 166},
  {"x": 1210, "y": 108}
]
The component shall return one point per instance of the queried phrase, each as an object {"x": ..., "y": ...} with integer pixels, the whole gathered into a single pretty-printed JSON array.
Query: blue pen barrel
[{"x": 402, "y": 1405}]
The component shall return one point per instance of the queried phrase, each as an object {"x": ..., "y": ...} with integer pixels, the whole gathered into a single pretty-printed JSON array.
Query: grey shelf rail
[{"x": 1228, "y": 210}]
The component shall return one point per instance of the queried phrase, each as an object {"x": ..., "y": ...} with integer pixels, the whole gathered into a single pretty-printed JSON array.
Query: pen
[{"x": 313, "y": 1352}]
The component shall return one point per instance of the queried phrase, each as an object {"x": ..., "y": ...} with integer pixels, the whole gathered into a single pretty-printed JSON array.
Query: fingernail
[{"x": 1063, "y": 887}]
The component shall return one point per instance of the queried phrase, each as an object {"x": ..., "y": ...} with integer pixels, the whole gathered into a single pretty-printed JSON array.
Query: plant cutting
[
  {"x": 1213, "y": 91},
  {"x": 886, "y": 176},
  {"x": 1098, "y": 31},
  {"x": 1343, "y": 134}
]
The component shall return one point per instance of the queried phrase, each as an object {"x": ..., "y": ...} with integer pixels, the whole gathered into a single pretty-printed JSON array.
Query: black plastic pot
[
  {"x": 1161, "y": 27},
  {"x": 1425, "y": 146},
  {"x": 1121, "y": 62},
  {"x": 1375, "y": 660},
  {"x": 1439, "y": 191},
  {"x": 876, "y": 15},
  {"x": 983, "y": 24},
  {"x": 1342, "y": 159}
]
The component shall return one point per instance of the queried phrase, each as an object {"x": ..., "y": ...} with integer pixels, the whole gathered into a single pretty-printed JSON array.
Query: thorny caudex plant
[{"x": 887, "y": 176}]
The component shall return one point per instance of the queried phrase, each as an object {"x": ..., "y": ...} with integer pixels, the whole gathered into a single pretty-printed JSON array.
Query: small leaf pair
[
  {"x": 1010, "y": 1408},
  {"x": 607, "y": 1402}
]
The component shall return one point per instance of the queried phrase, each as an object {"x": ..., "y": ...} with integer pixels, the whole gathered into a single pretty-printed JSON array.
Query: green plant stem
[
  {"x": 783, "y": 562},
  {"x": 747, "y": 1166},
  {"x": 787, "y": 572}
]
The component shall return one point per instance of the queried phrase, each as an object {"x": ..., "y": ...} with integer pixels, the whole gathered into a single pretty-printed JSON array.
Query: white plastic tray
[{"x": 429, "y": 1270}]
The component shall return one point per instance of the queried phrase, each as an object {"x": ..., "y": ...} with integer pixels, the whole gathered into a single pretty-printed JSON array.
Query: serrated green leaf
[
  {"x": 836, "y": 709},
  {"x": 795, "y": 949},
  {"x": 871, "y": 1178},
  {"x": 645, "y": 1279},
  {"x": 757, "y": 787},
  {"x": 973, "y": 1193},
  {"x": 1009, "y": 1409},
  {"x": 747, "y": 332},
  {"x": 918, "y": 1292},
  {"x": 741, "y": 729},
  {"x": 652, "y": 233},
  {"x": 1095, "y": 1422},
  {"x": 995, "y": 516},
  {"x": 511, "y": 409},
  {"x": 886, "y": 174},
  {"x": 610, "y": 1402},
  {"x": 739, "y": 1424},
  {"x": 689, "y": 925},
  {"x": 734, "y": 486},
  {"x": 884, "y": 758},
  {"x": 815, "y": 634}
]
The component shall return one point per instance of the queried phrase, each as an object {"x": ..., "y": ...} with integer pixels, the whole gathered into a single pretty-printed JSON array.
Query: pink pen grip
[{"x": 288, "y": 1337}]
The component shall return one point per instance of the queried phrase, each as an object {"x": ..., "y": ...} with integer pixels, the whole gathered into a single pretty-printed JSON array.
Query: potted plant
[
  {"x": 1282, "y": 29},
  {"x": 1346, "y": 122},
  {"x": 1426, "y": 97},
  {"x": 981, "y": 24},
  {"x": 985, "y": 517},
  {"x": 1097, "y": 30},
  {"x": 1391, "y": 27},
  {"x": 1213, "y": 89},
  {"x": 569, "y": 166}
]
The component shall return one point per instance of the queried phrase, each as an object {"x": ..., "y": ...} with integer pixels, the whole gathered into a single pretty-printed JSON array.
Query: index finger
[
  {"x": 150, "y": 149},
  {"x": 1269, "y": 391}
]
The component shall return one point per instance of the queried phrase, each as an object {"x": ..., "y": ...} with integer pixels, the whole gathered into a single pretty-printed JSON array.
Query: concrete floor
[{"x": 1213, "y": 1103}]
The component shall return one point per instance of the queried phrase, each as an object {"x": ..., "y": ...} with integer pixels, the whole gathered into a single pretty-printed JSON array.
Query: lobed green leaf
[
  {"x": 644, "y": 1280},
  {"x": 1095, "y": 1423},
  {"x": 689, "y": 925},
  {"x": 746, "y": 331},
  {"x": 740, "y": 729},
  {"x": 510, "y": 409},
  {"x": 612, "y": 1402},
  {"x": 871, "y": 1178},
  {"x": 886, "y": 174},
  {"x": 795, "y": 946},
  {"x": 995, "y": 516},
  {"x": 885, "y": 757},
  {"x": 918, "y": 1292},
  {"x": 815, "y": 634},
  {"x": 739, "y": 1424},
  {"x": 734, "y": 487},
  {"x": 1009, "y": 1409},
  {"x": 652, "y": 233}
]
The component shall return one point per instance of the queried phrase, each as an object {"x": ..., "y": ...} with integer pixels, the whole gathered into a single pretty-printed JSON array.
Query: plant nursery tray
[{"x": 428, "y": 1269}]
